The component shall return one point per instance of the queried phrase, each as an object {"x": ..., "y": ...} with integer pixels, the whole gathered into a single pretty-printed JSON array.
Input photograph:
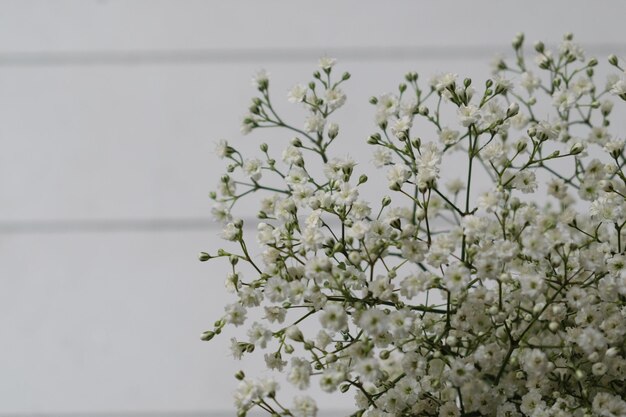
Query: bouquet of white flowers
[{"x": 439, "y": 301}]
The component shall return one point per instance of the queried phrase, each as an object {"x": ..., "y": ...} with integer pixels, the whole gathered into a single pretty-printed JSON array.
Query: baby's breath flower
[
  {"x": 297, "y": 94},
  {"x": 500, "y": 293},
  {"x": 327, "y": 63}
]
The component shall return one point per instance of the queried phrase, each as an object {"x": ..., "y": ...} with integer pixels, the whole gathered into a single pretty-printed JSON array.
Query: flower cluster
[{"x": 439, "y": 300}]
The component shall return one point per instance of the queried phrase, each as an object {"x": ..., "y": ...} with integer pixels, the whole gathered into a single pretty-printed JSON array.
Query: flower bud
[
  {"x": 333, "y": 130},
  {"x": 203, "y": 257},
  {"x": 576, "y": 148},
  {"x": 373, "y": 139},
  {"x": 521, "y": 145},
  {"x": 294, "y": 333},
  {"x": 613, "y": 60},
  {"x": 240, "y": 375},
  {"x": 512, "y": 110},
  {"x": 540, "y": 47},
  {"x": 208, "y": 335},
  {"x": 452, "y": 341},
  {"x": 355, "y": 257},
  {"x": 518, "y": 40},
  {"x": 411, "y": 76}
]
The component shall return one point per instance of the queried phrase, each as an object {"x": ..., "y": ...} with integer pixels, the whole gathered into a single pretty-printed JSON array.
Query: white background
[{"x": 109, "y": 112}]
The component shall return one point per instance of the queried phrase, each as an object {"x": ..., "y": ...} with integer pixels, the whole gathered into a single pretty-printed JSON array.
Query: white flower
[
  {"x": 373, "y": 321},
  {"x": 448, "y": 136},
  {"x": 221, "y": 213},
  {"x": 536, "y": 363},
  {"x": 292, "y": 155},
  {"x": 449, "y": 409},
  {"x": 304, "y": 406},
  {"x": 382, "y": 157},
  {"x": 386, "y": 107},
  {"x": 259, "y": 334},
  {"x": 237, "y": 349},
  {"x": 401, "y": 127},
  {"x": 300, "y": 374},
  {"x": 333, "y": 317},
  {"x": 428, "y": 165},
  {"x": 619, "y": 88},
  {"x": 235, "y": 314},
  {"x": 443, "y": 81},
  {"x": 275, "y": 314},
  {"x": 607, "y": 405},
  {"x": 532, "y": 402},
  {"x": 276, "y": 289},
  {"x": 297, "y": 94},
  {"x": 532, "y": 285},
  {"x": 314, "y": 123},
  {"x": 564, "y": 100},
  {"x": 252, "y": 168},
  {"x": 327, "y": 63},
  {"x": 456, "y": 277},
  {"x": 222, "y": 150},
  {"x": 368, "y": 369},
  {"x": 529, "y": 81},
  {"x": 398, "y": 174},
  {"x": 335, "y": 98},
  {"x": 469, "y": 115},
  {"x": 525, "y": 181},
  {"x": 246, "y": 393},
  {"x": 274, "y": 361},
  {"x": 260, "y": 79}
]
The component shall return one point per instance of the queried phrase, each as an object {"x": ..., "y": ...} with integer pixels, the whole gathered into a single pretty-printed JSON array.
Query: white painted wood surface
[{"x": 109, "y": 111}]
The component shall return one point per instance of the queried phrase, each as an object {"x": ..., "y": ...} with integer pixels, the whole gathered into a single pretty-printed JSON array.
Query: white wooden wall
[{"x": 109, "y": 111}]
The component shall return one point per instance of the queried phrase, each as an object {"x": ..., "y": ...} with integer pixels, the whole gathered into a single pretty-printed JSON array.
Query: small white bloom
[
  {"x": 304, "y": 407},
  {"x": 222, "y": 150},
  {"x": 297, "y": 94},
  {"x": 260, "y": 79},
  {"x": 448, "y": 136},
  {"x": 333, "y": 317},
  {"x": 469, "y": 115},
  {"x": 314, "y": 123},
  {"x": 327, "y": 63},
  {"x": 300, "y": 374}
]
